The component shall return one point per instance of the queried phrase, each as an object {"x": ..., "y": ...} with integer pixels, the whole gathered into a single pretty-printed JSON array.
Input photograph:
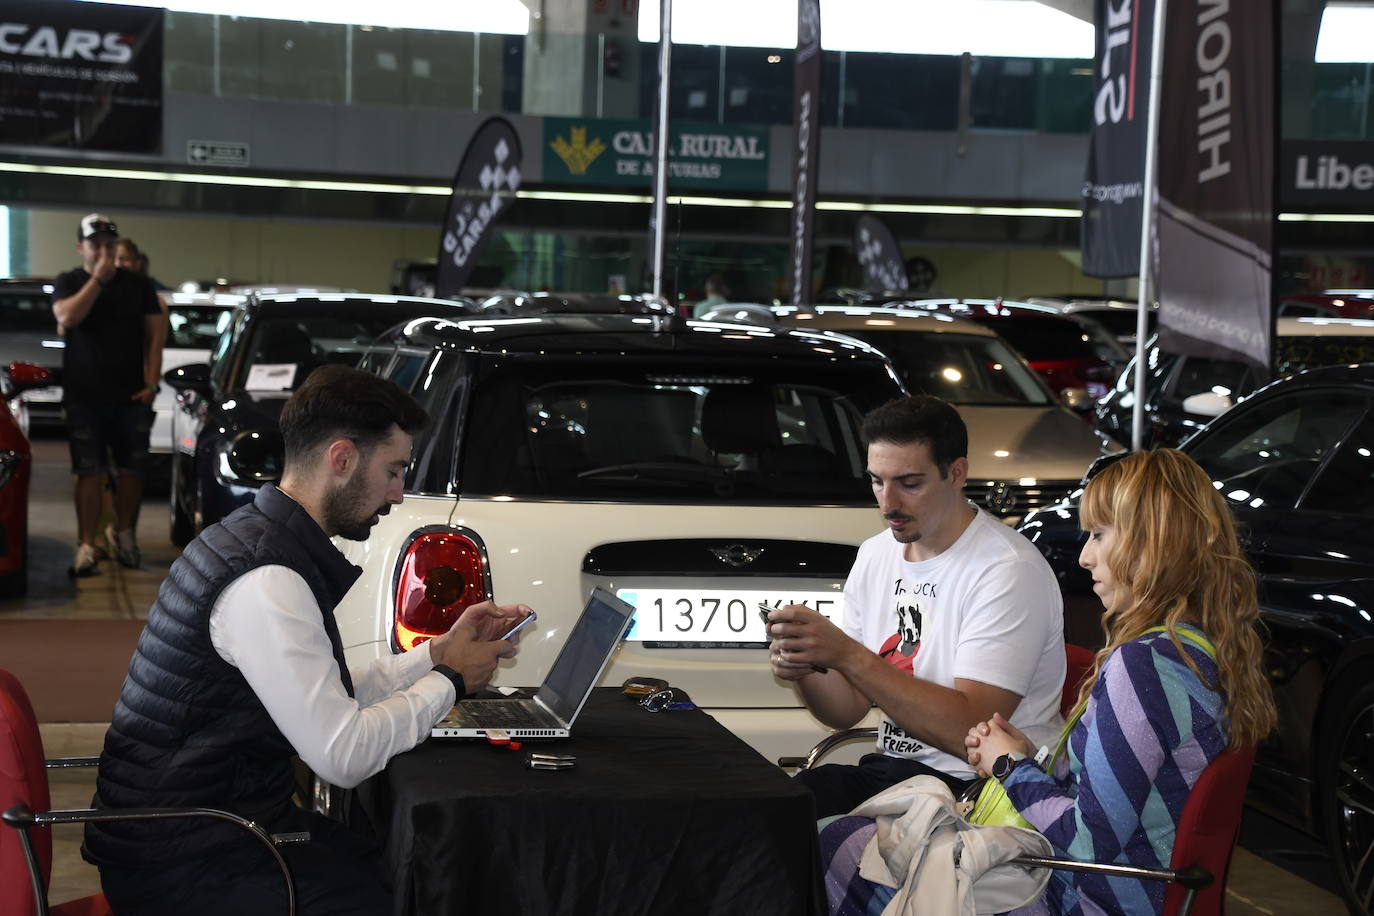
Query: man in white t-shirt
[{"x": 949, "y": 616}]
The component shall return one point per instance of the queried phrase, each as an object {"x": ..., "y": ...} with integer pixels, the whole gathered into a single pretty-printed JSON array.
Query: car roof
[
  {"x": 27, "y": 284},
  {"x": 1309, "y": 326},
  {"x": 878, "y": 318},
  {"x": 202, "y": 300},
  {"x": 622, "y": 334},
  {"x": 327, "y": 300}
]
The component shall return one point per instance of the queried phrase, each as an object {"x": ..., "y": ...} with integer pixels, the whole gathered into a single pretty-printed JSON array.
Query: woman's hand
[{"x": 987, "y": 741}]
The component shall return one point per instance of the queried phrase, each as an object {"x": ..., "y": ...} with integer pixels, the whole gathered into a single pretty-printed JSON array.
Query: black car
[
  {"x": 224, "y": 429},
  {"x": 1183, "y": 393},
  {"x": 1296, "y": 464}
]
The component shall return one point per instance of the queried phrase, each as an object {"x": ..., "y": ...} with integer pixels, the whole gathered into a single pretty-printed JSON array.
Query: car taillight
[{"x": 442, "y": 573}]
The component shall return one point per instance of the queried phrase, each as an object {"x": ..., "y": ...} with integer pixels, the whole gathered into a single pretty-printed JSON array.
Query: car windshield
[
  {"x": 286, "y": 344},
  {"x": 194, "y": 327},
  {"x": 27, "y": 311},
  {"x": 961, "y": 368},
  {"x": 655, "y": 429},
  {"x": 1041, "y": 339}
]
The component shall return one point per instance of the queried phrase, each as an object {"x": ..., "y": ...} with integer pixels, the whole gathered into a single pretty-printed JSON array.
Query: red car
[
  {"x": 1334, "y": 303},
  {"x": 15, "y": 462}
]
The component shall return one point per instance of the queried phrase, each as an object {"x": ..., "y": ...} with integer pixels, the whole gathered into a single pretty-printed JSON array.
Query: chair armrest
[
  {"x": 826, "y": 745},
  {"x": 66, "y": 763},
  {"x": 1193, "y": 877},
  {"x": 21, "y": 817}
]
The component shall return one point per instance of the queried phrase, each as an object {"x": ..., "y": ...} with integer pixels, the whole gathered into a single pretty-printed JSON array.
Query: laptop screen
[{"x": 585, "y": 653}]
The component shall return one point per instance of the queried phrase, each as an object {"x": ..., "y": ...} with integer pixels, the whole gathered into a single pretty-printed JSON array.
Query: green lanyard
[{"x": 1190, "y": 635}]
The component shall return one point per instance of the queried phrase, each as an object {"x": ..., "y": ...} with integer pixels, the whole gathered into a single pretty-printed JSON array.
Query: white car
[
  {"x": 1025, "y": 450},
  {"x": 695, "y": 470}
]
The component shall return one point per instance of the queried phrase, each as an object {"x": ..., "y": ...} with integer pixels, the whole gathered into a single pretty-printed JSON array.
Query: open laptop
[{"x": 551, "y": 712}]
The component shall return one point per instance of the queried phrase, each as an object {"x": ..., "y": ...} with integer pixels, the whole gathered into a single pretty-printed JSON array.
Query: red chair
[
  {"x": 26, "y": 852},
  {"x": 1078, "y": 661},
  {"x": 1206, "y": 836}
]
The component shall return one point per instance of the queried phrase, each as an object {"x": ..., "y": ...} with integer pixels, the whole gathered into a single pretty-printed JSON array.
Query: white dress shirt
[{"x": 268, "y": 625}]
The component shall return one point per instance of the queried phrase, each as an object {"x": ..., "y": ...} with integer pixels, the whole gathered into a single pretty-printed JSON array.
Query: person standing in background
[{"x": 114, "y": 327}]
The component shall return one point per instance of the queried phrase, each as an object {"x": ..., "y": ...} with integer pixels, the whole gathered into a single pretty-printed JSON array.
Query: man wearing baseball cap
[{"x": 114, "y": 329}]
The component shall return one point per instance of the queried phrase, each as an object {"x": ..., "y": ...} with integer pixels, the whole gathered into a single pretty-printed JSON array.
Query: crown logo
[{"x": 578, "y": 154}]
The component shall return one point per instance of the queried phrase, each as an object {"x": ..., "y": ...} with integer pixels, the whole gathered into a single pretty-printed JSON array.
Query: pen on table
[{"x": 764, "y": 611}]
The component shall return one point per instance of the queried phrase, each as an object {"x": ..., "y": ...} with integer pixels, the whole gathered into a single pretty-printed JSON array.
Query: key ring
[{"x": 666, "y": 701}]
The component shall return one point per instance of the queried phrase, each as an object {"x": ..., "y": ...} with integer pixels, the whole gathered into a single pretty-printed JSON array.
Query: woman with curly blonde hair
[{"x": 1178, "y": 681}]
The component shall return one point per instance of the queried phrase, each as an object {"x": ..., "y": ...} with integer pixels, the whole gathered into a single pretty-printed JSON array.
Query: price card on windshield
[
  {"x": 713, "y": 618},
  {"x": 270, "y": 377}
]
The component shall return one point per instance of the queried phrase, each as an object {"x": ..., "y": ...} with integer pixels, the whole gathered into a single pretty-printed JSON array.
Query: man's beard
[{"x": 347, "y": 516}]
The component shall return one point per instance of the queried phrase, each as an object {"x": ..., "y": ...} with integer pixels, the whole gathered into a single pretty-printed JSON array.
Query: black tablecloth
[{"x": 664, "y": 814}]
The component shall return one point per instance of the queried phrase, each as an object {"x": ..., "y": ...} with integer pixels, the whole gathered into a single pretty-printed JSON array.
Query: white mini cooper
[{"x": 694, "y": 469}]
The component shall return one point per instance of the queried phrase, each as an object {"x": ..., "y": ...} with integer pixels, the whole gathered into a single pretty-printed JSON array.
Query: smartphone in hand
[
  {"x": 764, "y": 611},
  {"x": 520, "y": 625}
]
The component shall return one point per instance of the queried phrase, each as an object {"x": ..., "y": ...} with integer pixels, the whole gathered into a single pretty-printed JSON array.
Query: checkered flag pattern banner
[{"x": 483, "y": 189}]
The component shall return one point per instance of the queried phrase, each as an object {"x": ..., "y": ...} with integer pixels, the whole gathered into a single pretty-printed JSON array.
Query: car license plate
[{"x": 712, "y": 618}]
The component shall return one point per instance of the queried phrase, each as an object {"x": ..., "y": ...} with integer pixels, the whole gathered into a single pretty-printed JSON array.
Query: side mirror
[
  {"x": 1077, "y": 399},
  {"x": 25, "y": 377},
  {"x": 1206, "y": 404},
  {"x": 192, "y": 377},
  {"x": 257, "y": 456}
]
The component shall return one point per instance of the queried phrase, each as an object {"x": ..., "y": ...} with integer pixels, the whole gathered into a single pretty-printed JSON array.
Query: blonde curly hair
[{"x": 1177, "y": 560}]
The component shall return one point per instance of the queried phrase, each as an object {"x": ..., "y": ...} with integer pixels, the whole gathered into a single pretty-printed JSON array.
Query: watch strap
[{"x": 459, "y": 687}]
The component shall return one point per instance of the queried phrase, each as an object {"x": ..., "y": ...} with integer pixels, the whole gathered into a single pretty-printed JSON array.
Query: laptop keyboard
[{"x": 496, "y": 714}]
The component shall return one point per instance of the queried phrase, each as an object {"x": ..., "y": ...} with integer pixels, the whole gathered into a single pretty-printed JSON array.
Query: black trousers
[
  {"x": 336, "y": 873},
  {"x": 839, "y": 788}
]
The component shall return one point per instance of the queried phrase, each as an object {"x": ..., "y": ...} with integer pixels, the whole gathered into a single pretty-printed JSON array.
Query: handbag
[{"x": 991, "y": 806}]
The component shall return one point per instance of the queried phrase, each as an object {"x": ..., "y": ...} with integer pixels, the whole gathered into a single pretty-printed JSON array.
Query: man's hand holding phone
[
  {"x": 778, "y": 651},
  {"x": 475, "y": 644}
]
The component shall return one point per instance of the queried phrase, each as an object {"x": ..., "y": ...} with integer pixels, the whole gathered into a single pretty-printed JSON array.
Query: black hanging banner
[
  {"x": 81, "y": 75},
  {"x": 879, "y": 255},
  {"x": 1113, "y": 189},
  {"x": 483, "y": 188},
  {"x": 806, "y": 116},
  {"x": 1214, "y": 225}
]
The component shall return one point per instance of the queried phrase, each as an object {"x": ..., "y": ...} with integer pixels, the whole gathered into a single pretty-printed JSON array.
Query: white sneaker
[
  {"x": 85, "y": 563},
  {"x": 126, "y": 549}
]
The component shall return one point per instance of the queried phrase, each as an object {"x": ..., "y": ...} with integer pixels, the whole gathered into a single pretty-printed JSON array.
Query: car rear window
[
  {"x": 192, "y": 327},
  {"x": 961, "y": 368},
  {"x": 21, "y": 311},
  {"x": 1041, "y": 339},
  {"x": 662, "y": 428}
]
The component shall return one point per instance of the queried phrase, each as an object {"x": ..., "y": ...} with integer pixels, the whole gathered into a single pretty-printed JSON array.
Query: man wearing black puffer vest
[{"x": 240, "y": 668}]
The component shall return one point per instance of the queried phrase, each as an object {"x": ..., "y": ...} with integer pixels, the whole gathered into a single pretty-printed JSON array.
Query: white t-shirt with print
[{"x": 987, "y": 609}]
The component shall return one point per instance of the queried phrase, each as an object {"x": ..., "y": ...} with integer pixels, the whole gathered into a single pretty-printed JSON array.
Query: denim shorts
[{"x": 108, "y": 435}]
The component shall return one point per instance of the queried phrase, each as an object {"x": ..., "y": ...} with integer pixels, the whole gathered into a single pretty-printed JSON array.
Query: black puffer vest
[{"x": 188, "y": 729}]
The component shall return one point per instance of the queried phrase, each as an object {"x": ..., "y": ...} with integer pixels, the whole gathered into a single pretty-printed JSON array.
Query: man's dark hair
[
  {"x": 920, "y": 418},
  {"x": 338, "y": 402}
]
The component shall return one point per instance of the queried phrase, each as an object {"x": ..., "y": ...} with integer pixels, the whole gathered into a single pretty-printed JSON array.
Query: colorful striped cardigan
[{"x": 1149, "y": 730}]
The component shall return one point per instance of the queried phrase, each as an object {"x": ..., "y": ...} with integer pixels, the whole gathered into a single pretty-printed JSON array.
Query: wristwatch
[
  {"x": 1002, "y": 766},
  {"x": 456, "y": 678}
]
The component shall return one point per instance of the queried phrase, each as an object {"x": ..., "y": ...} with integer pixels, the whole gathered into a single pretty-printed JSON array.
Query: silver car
[{"x": 1025, "y": 449}]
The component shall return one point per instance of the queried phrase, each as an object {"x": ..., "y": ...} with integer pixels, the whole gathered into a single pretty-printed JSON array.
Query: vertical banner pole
[
  {"x": 806, "y": 123},
  {"x": 665, "y": 61},
  {"x": 1147, "y": 214}
]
